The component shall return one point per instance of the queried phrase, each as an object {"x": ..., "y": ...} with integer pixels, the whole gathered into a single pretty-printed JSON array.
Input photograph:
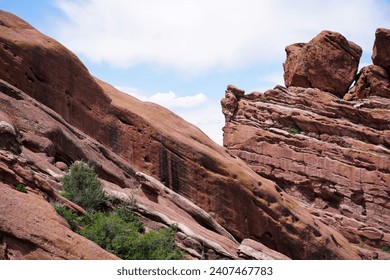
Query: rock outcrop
[
  {"x": 63, "y": 114},
  {"x": 371, "y": 80},
  {"x": 374, "y": 79},
  {"x": 331, "y": 155},
  {"x": 381, "y": 51},
  {"x": 328, "y": 62}
]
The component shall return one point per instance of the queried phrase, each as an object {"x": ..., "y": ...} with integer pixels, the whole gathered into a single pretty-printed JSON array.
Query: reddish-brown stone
[
  {"x": 329, "y": 154},
  {"x": 80, "y": 117},
  {"x": 328, "y": 62},
  {"x": 381, "y": 50},
  {"x": 371, "y": 80}
]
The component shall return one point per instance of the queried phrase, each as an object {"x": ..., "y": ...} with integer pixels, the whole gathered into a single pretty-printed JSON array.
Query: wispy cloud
[
  {"x": 194, "y": 36},
  {"x": 196, "y": 109},
  {"x": 168, "y": 99}
]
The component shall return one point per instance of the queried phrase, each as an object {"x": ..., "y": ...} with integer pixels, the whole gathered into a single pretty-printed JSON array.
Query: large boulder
[
  {"x": 328, "y": 62},
  {"x": 381, "y": 51}
]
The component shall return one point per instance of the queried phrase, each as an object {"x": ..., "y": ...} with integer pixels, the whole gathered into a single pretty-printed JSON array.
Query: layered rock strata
[
  {"x": 330, "y": 154},
  {"x": 64, "y": 114}
]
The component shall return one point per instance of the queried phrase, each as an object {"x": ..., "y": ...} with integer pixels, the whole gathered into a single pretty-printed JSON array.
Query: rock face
[
  {"x": 331, "y": 155},
  {"x": 381, "y": 51},
  {"x": 63, "y": 114},
  {"x": 328, "y": 62},
  {"x": 371, "y": 80}
]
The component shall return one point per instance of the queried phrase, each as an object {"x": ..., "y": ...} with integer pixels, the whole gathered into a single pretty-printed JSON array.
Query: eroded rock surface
[
  {"x": 64, "y": 114},
  {"x": 381, "y": 51},
  {"x": 331, "y": 155},
  {"x": 328, "y": 62},
  {"x": 371, "y": 80}
]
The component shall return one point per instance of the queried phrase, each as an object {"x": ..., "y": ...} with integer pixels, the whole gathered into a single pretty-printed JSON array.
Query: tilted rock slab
[
  {"x": 331, "y": 155},
  {"x": 157, "y": 142}
]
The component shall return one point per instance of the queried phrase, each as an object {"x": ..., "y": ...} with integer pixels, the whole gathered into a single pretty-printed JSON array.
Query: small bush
[
  {"x": 69, "y": 216},
  {"x": 294, "y": 129},
  {"x": 386, "y": 248},
  {"x": 122, "y": 238},
  {"x": 125, "y": 212},
  {"x": 82, "y": 186},
  {"x": 21, "y": 188}
]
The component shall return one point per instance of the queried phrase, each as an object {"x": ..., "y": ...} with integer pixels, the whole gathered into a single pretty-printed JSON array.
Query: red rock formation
[
  {"x": 64, "y": 114},
  {"x": 371, "y": 80},
  {"x": 381, "y": 51},
  {"x": 333, "y": 156},
  {"x": 328, "y": 62}
]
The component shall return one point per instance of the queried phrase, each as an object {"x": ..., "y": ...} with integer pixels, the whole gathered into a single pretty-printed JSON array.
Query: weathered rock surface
[
  {"x": 381, "y": 51},
  {"x": 328, "y": 62},
  {"x": 251, "y": 249},
  {"x": 371, "y": 80},
  {"x": 331, "y": 155},
  {"x": 31, "y": 229},
  {"x": 64, "y": 114}
]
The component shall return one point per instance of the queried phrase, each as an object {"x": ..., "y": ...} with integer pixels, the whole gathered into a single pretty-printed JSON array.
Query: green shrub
[
  {"x": 69, "y": 216},
  {"x": 386, "y": 248},
  {"x": 124, "y": 239},
  {"x": 154, "y": 245},
  {"x": 125, "y": 212},
  {"x": 294, "y": 129},
  {"x": 83, "y": 187},
  {"x": 21, "y": 188}
]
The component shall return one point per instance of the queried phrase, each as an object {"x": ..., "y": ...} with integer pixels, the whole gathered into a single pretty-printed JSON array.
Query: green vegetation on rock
[
  {"x": 83, "y": 187},
  {"x": 294, "y": 129},
  {"x": 21, "y": 188},
  {"x": 118, "y": 231}
]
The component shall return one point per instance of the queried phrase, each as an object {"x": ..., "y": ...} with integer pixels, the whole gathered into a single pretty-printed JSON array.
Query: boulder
[
  {"x": 381, "y": 50},
  {"x": 371, "y": 80},
  {"x": 328, "y": 62}
]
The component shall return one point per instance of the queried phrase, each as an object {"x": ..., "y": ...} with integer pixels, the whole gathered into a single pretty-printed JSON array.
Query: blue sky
[{"x": 182, "y": 54}]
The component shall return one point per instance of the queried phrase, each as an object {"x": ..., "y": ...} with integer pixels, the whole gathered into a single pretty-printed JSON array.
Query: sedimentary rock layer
[
  {"x": 71, "y": 115},
  {"x": 330, "y": 154}
]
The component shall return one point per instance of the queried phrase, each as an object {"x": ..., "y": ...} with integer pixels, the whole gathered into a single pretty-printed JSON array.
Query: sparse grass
[
  {"x": 386, "y": 248},
  {"x": 264, "y": 99},
  {"x": 294, "y": 129},
  {"x": 21, "y": 188}
]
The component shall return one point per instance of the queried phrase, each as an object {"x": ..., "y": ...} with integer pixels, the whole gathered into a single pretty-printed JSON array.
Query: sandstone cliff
[
  {"x": 53, "y": 112},
  {"x": 327, "y": 147}
]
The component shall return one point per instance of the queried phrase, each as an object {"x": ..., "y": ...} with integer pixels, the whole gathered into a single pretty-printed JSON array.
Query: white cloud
[
  {"x": 169, "y": 99},
  {"x": 193, "y": 36},
  {"x": 208, "y": 117}
]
